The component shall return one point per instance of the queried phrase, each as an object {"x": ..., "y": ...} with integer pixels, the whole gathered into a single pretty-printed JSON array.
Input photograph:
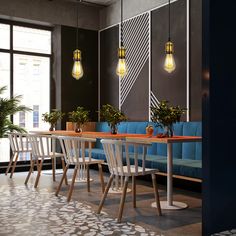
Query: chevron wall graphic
[{"x": 136, "y": 42}]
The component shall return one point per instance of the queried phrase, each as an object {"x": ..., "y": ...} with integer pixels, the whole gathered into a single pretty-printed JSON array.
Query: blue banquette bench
[{"x": 187, "y": 157}]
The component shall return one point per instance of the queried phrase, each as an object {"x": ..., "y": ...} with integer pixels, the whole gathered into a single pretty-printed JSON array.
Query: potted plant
[
  {"x": 9, "y": 107},
  {"x": 112, "y": 116},
  {"x": 165, "y": 116},
  {"x": 79, "y": 117},
  {"x": 52, "y": 118}
]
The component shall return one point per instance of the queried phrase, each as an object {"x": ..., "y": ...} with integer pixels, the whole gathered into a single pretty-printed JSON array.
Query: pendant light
[
  {"x": 121, "y": 68},
  {"x": 77, "y": 71},
  {"x": 169, "y": 64}
]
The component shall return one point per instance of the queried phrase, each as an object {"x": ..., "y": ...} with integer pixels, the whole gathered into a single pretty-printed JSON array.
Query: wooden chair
[
  {"x": 43, "y": 147},
  {"x": 74, "y": 151},
  {"x": 19, "y": 146},
  {"x": 114, "y": 153}
]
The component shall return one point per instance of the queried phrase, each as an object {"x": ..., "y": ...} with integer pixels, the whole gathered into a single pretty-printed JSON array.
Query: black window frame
[{"x": 11, "y": 52}]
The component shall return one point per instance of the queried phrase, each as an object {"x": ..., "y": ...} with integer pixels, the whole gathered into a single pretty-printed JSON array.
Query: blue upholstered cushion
[
  {"x": 101, "y": 127},
  {"x": 189, "y": 149},
  {"x": 97, "y": 153},
  {"x": 198, "y": 154},
  {"x": 190, "y": 168},
  {"x": 177, "y": 147},
  {"x": 122, "y": 127}
]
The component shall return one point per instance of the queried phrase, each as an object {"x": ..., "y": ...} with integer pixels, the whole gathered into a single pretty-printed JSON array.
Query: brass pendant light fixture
[
  {"x": 77, "y": 71},
  {"x": 169, "y": 64},
  {"x": 121, "y": 68}
]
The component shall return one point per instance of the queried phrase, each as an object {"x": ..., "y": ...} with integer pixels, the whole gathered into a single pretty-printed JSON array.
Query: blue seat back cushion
[
  {"x": 189, "y": 149},
  {"x": 122, "y": 127},
  {"x": 199, "y": 144},
  {"x": 101, "y": 127},
  {"x": 161, "y": 148},
  {"x": 177, "y": 147}
]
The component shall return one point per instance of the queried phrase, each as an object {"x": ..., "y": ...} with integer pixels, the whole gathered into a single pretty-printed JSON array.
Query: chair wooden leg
[
  {"x": 10, "y": 163},
  {"x": 101, "y": 177},
  {"x": 30, "y": 170},
  {"x": 72, "y": 184},
  {"x": 88, "y": 178},
  {"x": 14, "y": 165},
  {"x": 62, "y": 179},
  {"x": 37, "y": 163},
  {"x": 63, "y": 167},
  {"x": 154, "y": 182},
  {"x": 122, "y": 200},
  {"x": 53, "y": 169},
  {"x": 134, "y": 190},
  {"x": 105, "y": 194},
  {"x": 39, "y": 173}
]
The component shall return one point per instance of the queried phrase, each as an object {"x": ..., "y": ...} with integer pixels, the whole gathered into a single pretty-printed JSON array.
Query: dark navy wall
[{"x": 219, "y": 117}]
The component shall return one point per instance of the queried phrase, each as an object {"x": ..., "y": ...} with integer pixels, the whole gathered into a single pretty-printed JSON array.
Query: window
[
  {"x": 5, "y": 36},
  {"x": 31, "y": 40},
  {"x": 25, "y": 70},
  {"x": 22, "y": 119},
  {"x": 35, "y": 116},
  {"x": 5, "y": 72}
]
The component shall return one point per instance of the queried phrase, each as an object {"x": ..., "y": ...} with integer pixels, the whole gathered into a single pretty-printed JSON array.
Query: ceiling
[{"x": 102, "y": 3}]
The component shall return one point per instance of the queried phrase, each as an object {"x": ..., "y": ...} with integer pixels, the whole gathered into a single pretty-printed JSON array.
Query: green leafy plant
[
  {"x": 80, "y": 116},
  {"x": 9, "y": 107},
  {"x": 52, "y": 117},
  {"x": 112, "y": 116},
  {"x": 165, "y": 115}
]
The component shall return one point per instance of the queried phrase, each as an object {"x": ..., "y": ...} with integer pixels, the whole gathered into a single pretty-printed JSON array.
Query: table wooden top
[
  {"x": 108, "y": 135},
  {"x": 174, "y": 139},
  {"x": 129, "y": 137},
  {"x": 56, "y": 132},
  {"x": 86, "y": 134}
]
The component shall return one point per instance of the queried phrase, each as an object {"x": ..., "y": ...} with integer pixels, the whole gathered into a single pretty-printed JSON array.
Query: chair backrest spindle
[{"x": 73, "y": 149}]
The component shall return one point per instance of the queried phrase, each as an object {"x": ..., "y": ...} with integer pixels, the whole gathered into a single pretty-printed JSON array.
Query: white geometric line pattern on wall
[
  {"x": 136, "y": 42},
  {"x": 154, "y": 101}
]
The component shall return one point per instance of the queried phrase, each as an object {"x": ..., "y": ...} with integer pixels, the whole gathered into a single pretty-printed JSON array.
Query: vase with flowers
[
  {"x": 112, "y": 116},
  {"x": 165, "y": 115},
  {"x": 52, "y": 118},
  {"x": 79, "y": 117}
]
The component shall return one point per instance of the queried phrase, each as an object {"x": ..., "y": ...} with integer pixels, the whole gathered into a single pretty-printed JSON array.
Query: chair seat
[
  {"x": 52, "y": 155},
  {"x": 23, "y": 150},
  {"x": 85, "y": 161},
  {"x": 133, "y": 172}
]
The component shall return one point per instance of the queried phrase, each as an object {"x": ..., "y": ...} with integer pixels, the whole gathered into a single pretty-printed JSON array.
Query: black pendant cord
[
  {"x": 77, "y": 24},
  {"x": 169, "y": 21},
  {"x": 121, "y": 24}
]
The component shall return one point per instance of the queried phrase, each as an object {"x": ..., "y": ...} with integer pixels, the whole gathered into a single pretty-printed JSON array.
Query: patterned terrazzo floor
[
  {"x": 41, "y": 205},
  {"x": 227, "y": 232},
  {"x": 26, "y": 211}
]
